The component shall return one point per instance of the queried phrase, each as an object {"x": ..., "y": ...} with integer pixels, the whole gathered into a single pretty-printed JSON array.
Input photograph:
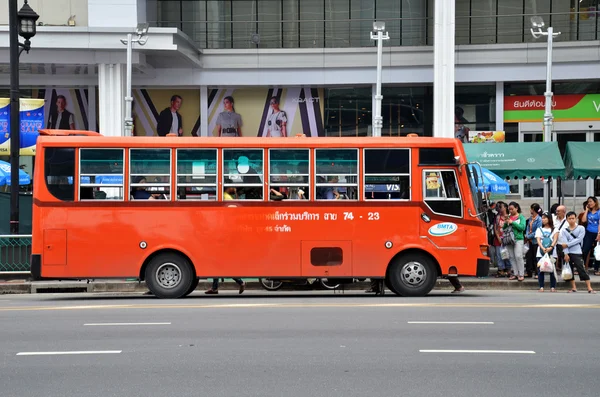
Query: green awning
[
  {"x": 518, "y": 160},
  {"x": 582, "y": 159}
]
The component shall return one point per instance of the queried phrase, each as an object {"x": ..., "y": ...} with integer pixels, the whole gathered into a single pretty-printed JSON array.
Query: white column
[
  {"x": 203, "y": 111},
  {"x": 111, "y": 88},
  {"x": 92, "y": 120},
  {"x": 500, "y": 106},
  {"x": 443, "y": 82}
]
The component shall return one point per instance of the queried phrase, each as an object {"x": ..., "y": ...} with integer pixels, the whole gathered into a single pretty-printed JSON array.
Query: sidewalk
[{"x": 21, "y": 285}]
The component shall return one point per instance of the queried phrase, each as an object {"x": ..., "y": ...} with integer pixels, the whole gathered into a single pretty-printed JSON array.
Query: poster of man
[
  {"x": 170, "y": 121},
  {"x": 60, "y": 118}
]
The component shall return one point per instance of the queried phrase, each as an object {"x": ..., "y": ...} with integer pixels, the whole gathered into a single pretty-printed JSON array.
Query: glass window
[
  {"x": 150, "y": 173},
  {"x": 197, "y": 174},
  {"x": 387, "y": 174},
  {"x": 59, "y": 171},
  {"x": 441, "y": 192},
  {"x": 101, "y": 174},
  {"x": 243, "y": 174},
  {"x": 336, "y": 174},
  {"x": 289, "y": 174}
]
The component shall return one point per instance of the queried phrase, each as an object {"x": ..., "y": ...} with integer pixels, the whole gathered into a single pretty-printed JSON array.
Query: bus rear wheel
[
  {"x": 412, "y": 275},
  {"x": 169, "y": 276}
]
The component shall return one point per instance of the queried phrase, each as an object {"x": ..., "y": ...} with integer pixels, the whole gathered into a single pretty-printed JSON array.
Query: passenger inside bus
[{"x": 140, "y": 193}]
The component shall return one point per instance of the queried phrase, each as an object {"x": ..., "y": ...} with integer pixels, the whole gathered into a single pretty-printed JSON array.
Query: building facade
[{"x": 316, "y": 57}]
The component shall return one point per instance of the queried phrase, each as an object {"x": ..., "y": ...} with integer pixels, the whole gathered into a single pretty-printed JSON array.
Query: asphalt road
[{"x": 284, "y": 344}]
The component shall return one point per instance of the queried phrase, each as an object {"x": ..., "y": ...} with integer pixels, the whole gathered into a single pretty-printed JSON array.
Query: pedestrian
[
  {"x": 534, "y": 223},
  {"x": 516, "y": 221},
  {"x": 546, "y": 237},
  {"x": 490, "y": 219},
  {"x": 591, "y": 216},
  {"x": 215, "y": 286},
  {"x": 572, "y": 238},
  {"x": 504, "y": 266},
  {"x": 560, "y": 223}
]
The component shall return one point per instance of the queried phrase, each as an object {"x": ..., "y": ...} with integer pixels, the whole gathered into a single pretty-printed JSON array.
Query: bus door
[{"x": 442, "y": 211}]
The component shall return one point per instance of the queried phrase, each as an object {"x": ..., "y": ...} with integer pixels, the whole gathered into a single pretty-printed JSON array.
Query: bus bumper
[
  {"x": 36, "y": 267},
  {"x": 483, "y": 267}
]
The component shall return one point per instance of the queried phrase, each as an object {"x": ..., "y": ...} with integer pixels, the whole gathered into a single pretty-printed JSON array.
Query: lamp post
[
  {"x": 537, "y": 24},
  {"x": 142, "y": 38},
  {"x": 537, "y": 32},
  {"x": 21, "y": 23},
  {"x": 378, "y": 34}
]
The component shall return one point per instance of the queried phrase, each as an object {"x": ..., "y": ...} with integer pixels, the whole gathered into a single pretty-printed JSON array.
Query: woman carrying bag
[
  {"x": 546, "y": 237},
  {"x": 515, "y": 226}
]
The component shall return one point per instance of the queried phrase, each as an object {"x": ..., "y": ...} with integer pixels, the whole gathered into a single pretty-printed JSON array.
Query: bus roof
[{"x": 244, "y": 142}]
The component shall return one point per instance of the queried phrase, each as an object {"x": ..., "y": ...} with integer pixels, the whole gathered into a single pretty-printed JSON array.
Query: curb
[{"x": 40, "y": 287}]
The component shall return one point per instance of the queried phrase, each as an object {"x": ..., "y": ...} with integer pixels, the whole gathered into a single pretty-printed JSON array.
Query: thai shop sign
[
  {"x": 32, "y": 119},
  {"x": 584, "y": 107}
]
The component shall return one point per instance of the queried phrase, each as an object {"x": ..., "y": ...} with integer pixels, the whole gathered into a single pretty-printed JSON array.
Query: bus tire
[
  {"x": 412, "y": 274},
  {"x": 169, "y": 276},
  {"x": 270, "y": 284},
  {"x": 193, "y": 286}
]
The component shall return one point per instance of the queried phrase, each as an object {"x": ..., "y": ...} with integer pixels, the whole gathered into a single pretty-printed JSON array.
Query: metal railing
[
  {"x": 15, "y": 251},
  {"x": 344, "y": 33}
]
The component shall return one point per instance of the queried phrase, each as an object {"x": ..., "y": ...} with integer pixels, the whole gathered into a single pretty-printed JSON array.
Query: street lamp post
[
  {"x": 537, "y": 24},
  {"x": 378, "y": 34},
  {"x": 21, "y": 23},
  {"x": 142, "y": 38},
  {"x": 537, "y": 32}
]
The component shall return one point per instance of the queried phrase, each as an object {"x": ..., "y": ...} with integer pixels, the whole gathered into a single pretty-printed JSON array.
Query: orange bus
[{"x": 171, "y": 211}]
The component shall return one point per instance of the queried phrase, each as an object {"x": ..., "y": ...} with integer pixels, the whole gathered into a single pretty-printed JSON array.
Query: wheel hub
[
  {"x": 413, "y": 274},
  {"x": 168, "y": 275}
]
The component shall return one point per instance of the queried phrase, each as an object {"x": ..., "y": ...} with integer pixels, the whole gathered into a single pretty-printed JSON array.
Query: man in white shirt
[
  {"x": 61, "y": 119},
  {"x": 169, "y": 120},
  {"x": 560, "y": 224}
]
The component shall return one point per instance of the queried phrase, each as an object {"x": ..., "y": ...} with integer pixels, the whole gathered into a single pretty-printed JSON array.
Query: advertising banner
[
  {"x": 151, "y": 106},
  {"x": 581, "y": 107},
  {"x": 31, "y": 114},
  {"x": 265, "y": 112},
  {"x": 67, "y": 108},
  {"x": 486, "y": 136},
  {"x": 4, "y": 127}
]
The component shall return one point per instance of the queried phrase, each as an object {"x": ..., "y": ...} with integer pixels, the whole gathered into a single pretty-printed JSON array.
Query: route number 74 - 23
[{"x": 372, "y": 216}]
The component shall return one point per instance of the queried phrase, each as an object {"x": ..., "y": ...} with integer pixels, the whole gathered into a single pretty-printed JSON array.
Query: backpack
[{"x": 546, "y": 240}]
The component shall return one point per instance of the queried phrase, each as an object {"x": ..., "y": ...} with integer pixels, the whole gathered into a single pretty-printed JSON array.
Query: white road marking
[
  {"x": 453, "y": 322},
  {"x": 117, "y": 324},
  {"x": 480, "y": 351},
  {"x": 69, "y": 353}
]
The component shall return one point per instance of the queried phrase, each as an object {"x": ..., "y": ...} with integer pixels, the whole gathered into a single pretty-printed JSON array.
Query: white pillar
[
  {"x": 203, "y": 111},
  {"x": 500, "y": 106},
  {"x": 443, "y": 82},
  {"x": 111, "y": 87},
  {"x": 92, "y": 120}
]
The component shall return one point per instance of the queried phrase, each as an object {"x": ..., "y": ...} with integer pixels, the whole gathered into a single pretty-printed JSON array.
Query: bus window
[
  {"x": 441, "y": 192},
  {"x": 59, "y": 170},
  {"x": 336, "y": 174},
  {"x": 150, "y": 173},
  {"x": 387, "y": 174},
  {"x": 197, "y": 174},
  {"x": 243, "y": 173},
  {"x": 289, "y": 174},
  {"x": 102, "y": 171}
]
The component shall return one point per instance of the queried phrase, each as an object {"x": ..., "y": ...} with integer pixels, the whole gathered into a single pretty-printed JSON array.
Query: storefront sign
[
  {"x": 564, "y": 108},
  {"x": 32, "y": 119},
  {"x": 486, "y": 136}
]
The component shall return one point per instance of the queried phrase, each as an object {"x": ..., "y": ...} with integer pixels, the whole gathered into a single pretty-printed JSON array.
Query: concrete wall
[{"x": 52, "y": 12}]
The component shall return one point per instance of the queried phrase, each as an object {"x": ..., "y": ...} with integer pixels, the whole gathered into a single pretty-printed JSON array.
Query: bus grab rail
[{"x": 47, "y": 132}]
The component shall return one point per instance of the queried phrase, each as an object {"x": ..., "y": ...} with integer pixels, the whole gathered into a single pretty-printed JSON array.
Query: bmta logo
[{"x": 443, "y": 229}]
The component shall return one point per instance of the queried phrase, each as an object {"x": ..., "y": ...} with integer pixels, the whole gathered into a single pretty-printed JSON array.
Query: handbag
[
  {"x": 508, "y": 236},
  {"x": 567, "y": 273}
]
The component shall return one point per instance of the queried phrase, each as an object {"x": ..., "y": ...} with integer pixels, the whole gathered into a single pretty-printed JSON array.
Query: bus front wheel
[
  {"x": 169, "y": 276},
  {"x": 412, "y": 275}
]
